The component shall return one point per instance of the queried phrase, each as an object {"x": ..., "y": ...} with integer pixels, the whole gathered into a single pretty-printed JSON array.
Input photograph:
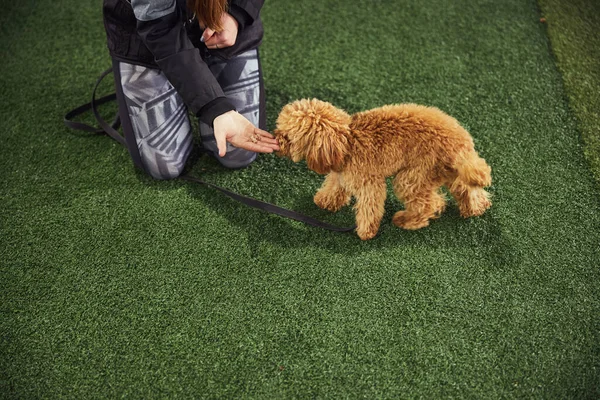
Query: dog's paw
[
  {"x": 328, "y": 202},
  {"x": 367, "y": 233},
  {"x": 406, "y": 220},
  {"x": 478, "y": 203}
]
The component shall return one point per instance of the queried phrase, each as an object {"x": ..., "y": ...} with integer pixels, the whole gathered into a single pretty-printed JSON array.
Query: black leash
[
  {"x": 105, "y": 128},
  {"x": 111, "y": 130},
  {"x": 270, "y": 208}
]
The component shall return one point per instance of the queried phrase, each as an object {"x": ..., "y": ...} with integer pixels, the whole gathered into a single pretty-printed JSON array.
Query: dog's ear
[{"x": 330, "y": 141}]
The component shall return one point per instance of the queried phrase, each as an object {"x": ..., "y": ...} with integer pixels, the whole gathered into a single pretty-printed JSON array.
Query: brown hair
[{"x": 209, "y": 12}]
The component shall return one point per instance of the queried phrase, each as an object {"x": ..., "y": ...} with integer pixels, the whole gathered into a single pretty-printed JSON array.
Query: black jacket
[{"x": 164, "y": 35}]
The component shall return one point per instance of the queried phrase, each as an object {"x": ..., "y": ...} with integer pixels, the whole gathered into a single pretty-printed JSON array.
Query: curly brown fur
[{"x": 421, "y": 147}]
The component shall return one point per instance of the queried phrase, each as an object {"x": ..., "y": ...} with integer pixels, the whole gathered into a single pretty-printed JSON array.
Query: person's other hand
[
  {"x": 234, "y": 128},
  {"x": 225, "y": 38}
]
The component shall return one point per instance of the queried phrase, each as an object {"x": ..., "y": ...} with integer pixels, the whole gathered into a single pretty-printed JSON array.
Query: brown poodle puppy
[{"x": 421, "y": 147}]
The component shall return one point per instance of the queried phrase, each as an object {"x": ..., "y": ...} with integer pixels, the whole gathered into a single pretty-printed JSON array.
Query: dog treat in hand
[{"x": 421, "y": 147}]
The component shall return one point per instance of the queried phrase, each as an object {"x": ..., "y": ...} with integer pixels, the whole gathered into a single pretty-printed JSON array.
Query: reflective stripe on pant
[{"x": 158, "y": 120}]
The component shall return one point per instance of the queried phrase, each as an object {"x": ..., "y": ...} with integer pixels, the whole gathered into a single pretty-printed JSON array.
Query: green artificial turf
[
  {"x": 573, "y": 30},
  {"x": 115, "y": 285}
]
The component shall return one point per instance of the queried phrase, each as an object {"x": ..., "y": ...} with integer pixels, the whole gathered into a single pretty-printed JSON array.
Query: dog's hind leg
[
  {"x": 472, "y": 200},
  {"x": 332, "y": 196},
  {"x": 422, "y": 201},
  {"x": 473, "y": 174}
]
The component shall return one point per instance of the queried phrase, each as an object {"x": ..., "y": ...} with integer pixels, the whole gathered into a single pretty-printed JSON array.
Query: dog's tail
[{"x": 473, "y": 175}]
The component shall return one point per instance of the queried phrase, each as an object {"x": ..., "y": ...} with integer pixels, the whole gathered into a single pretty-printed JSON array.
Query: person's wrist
[
  {"x": 228, "y": 114},
  {"x": 210, "y": 111}
]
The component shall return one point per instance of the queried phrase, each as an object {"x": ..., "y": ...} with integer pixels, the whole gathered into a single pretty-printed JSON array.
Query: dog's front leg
[
  {"x": 370, "y": 194},
  {"x": 332, "y": 196}
]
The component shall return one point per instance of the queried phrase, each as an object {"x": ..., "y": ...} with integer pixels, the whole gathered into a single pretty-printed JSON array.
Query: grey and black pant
[{"x": 156, "y": 122}]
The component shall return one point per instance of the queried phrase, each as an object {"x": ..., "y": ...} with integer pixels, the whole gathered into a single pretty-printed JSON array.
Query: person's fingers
[
  {"x": 263, "y": 133},
  {"x": 221, "y": 40},
  {"x": 264, "y": 136},
  {"x": 259, "y": 148},
  {"x": 213, "y": 41},
  {"x": 221, "y": 144},
  {"x": 264, "y": 147},
  {"x": 268, "y": 140},
  {"x": 253, "y": 142},
  {"x": 207, "y": 35}
]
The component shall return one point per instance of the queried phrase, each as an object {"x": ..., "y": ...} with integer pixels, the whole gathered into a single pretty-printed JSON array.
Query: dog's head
[{"x": 316, "y": 131}]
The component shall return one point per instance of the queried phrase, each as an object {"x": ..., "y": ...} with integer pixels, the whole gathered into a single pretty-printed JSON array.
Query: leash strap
[
  {"x": 111, "y": 130},
  {"x": 270, "y": 208}
]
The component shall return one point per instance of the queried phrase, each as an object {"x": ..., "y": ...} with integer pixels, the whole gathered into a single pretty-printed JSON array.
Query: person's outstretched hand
[
  {"x": 224, "y": 38},
  {"x": 234, "y": 128}
]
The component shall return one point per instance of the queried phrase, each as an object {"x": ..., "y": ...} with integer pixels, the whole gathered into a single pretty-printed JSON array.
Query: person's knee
[
  {"x": 165, "y": 171},
  {"x": 165, "y": 175},
  {"x": 237, "y": 158}
]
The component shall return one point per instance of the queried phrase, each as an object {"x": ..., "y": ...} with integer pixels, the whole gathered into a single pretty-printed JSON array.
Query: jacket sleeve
[
  {"x": 245, "y": 11},
  {"x": 162, "y": 31}
]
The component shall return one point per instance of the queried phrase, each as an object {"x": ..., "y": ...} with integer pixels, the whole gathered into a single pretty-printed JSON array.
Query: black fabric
[
  {"x": 122, "y": 39},
  {"x": 251, "y": 7},
  {"x": 240, "y": 15},
  {"x": 180, "y": 61},
  {"x": 250, "y": 37},
  {"x": 196, "y": 85},
  {"x": 164, "y": 36}
]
